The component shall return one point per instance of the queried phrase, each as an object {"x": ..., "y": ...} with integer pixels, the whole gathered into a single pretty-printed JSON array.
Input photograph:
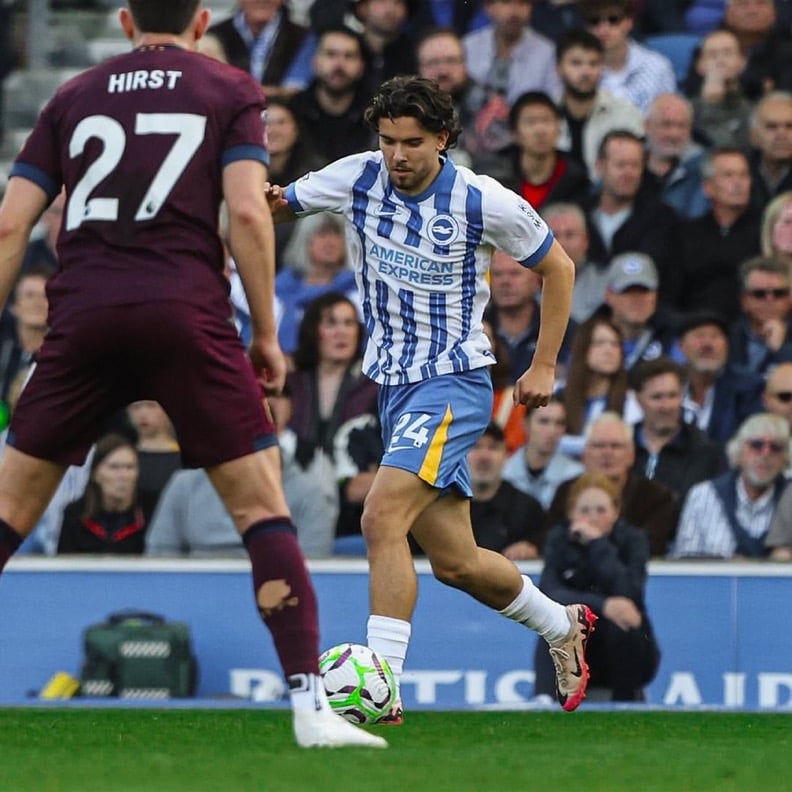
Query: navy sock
[
  {"x": 284, "y": 594},
  {"x": 9, "y": 543}
]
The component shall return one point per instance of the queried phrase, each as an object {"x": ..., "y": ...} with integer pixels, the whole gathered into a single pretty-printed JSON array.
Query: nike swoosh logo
[{"x": 578, "y": 672}]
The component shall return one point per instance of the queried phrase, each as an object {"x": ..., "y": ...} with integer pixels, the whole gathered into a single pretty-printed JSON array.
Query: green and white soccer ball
[{"x": 359, "y": 685}]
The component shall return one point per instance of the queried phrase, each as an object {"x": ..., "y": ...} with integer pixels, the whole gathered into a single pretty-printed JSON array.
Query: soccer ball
[{"x": 359, "y": 685}]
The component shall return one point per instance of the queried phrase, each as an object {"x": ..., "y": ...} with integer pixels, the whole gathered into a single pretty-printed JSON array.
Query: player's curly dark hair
[
  {"x": 163, "y": 16},
  {"x": 419, "y": 98}
]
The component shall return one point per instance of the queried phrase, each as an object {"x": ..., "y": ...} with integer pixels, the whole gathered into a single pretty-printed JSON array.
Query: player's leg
[
  {"x": 446, "y": 536},
  {"x": 27, "y": 485}
]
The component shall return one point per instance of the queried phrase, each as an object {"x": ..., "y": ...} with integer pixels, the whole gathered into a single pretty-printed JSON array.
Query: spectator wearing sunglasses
[
  {"x": 761, "y": 338},
  {"x": 777, "y": 395},
  {"x": 632, "y": 71},
  {"x": 730, "y": 516}
]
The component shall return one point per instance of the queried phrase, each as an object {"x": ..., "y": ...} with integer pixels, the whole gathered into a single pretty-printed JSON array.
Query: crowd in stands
[{"x": 669, "y": 183}]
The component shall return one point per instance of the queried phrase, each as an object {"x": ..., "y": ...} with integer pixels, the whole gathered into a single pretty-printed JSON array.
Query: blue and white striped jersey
[{"x": 421, "y": 261}]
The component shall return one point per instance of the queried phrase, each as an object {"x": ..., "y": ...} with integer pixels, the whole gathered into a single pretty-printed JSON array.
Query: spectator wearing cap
[
  {"x": 730, "y": 516},
  {"x": 504, "y": 519},
  {"x": 631, "y": 299},
  {"x": 668, "y": 449},
  {"x": 761, "y": 338},
  {"x": 708, "y": 250},
  {"x": 718, "y": 397}
]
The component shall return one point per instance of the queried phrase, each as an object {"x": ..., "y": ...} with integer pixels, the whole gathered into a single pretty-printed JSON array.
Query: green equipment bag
[{"x": 135, "y": 654}]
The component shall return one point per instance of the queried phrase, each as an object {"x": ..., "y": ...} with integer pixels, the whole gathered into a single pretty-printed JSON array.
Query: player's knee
[
  {"x": 457, "y": 573},
  {"x": 378, "y": 525}
]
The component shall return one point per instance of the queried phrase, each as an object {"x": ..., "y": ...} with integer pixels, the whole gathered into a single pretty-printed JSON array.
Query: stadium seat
[{"x": 678, "y": 48}]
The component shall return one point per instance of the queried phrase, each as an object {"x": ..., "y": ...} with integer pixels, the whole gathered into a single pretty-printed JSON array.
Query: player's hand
[
  {"x": 535, "y": 387},
  {"x": 623, "y": 612},
  {"x": 276, "y": 198},
  {"x": 269, "y": 364}
]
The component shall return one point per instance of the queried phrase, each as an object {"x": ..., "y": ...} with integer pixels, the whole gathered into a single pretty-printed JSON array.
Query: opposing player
[
  {"x": 147, "y": 145},
  {"x": 422, "y": 232}
]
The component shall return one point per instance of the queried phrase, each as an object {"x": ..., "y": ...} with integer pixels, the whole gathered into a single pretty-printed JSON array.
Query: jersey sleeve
[
  {"x": 512, "y": 225},
  {"x": 328, "y": 189},
  {"x": 246, "y": 135}
]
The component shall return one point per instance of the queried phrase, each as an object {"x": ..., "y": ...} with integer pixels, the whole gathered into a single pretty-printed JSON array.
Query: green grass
[{"x": 108, "y": 750}]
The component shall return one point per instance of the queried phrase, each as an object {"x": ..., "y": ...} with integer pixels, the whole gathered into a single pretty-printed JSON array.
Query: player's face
[
  {"x": 339, "y": 334},
  {"x": 605, "y": 352},
  {"x": 661, "y": 401},
  {"x": 537, "y": 130},
  {"x": 595, "y": 507},
  {"x": 782, "y": 231},
  {"x": 412, "y": 153},
  {"x": 117, "y": 476}
]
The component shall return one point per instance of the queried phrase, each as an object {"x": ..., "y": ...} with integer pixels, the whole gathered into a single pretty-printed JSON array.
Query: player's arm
[
  {"x": 252, "y": 241},
  {"x": 278, "y": 205},
  {"x": 21, "y": 208},
  {"x": 535, "y": 386}
]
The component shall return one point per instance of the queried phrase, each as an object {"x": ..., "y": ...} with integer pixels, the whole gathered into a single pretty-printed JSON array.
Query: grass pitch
[{"x": 110, "y": 750}]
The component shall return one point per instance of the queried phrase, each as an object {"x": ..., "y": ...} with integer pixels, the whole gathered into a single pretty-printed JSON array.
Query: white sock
[
  {"x": 536, "y": 610},
  {"x": 307, "y": 692},
  {"x": 389, "y": 638}
]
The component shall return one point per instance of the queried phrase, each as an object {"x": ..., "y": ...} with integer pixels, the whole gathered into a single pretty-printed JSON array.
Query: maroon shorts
[{"x": 93, "y": 364}]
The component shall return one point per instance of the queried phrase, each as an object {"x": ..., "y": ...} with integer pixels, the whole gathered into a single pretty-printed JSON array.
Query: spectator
[
  {"x": 389, "y": 50},
  {"x": 729, "y": 516},
  {"x": 509, "y": 57},
  {"x": 41, "y": 253},
  {"x": 567, "y": 221},
  {"x": 514, "y": 312},
  {"x": 290, "y": 157},
  {"x": 777, "y": 394},
  {"x": 327, "y": 388},
  {"x": 191, "y": 521},
  {"x": 552, "y": 18},
  {"x": 762, "y": 336},
  {"x": 631, "y": 303},
  {"x": 597, "y": 379},
  {"x": 779, "y": 537},
  {"x": 776, "y": 232},
  {"x": 771, "y": 137},
  {"x": 7, "y": 54},
  {"x": 588, "y": 111},
  {"x": 330, "y": 110},
  {"x": 768, "y": 62},
  {"x": 537, "y": 169},
  {"x": 111, "y": 516},
  {"x": 646, "y": 504},
  {"x": 708, "y": 250},
  {"x": 260, "y": 38},
  {"x": 621, "y": 217},
  {"x": 157, "y": 448},
  {"x": 505, "y": 413},
  {"x": 717, "y": 397},
  {"x": 29, "y": 310},
  {"x": 668, "y": 449},
  {"x": 721, "y": 110},
  {"x": 504, "y": 519},
  {"x": 316, "y": 263},
  {"x": 673, "y": 160},
  {"x": 631, "y": 71},
  {"x": 599, "y": 557},
  {"x": 539, "y": 467}
]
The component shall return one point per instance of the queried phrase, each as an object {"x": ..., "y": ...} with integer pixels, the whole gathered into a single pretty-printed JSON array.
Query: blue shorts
[{"x": 428, "y": 427}]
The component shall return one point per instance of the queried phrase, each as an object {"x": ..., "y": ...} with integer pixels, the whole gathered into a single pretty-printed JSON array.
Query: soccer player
[
  {"x": 422, "y": 232},
  {"x": 147, "y": 145}
]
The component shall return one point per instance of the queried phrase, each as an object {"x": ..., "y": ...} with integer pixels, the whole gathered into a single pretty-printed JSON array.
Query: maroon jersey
[{"x": 139, "y": 143}]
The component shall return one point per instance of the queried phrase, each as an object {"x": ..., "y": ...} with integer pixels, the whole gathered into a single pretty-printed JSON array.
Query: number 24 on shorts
[{"x": 409, "y": 432}]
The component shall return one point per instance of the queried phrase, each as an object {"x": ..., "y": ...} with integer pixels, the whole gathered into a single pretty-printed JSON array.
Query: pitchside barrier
[{"x": 724, "y": 630}]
